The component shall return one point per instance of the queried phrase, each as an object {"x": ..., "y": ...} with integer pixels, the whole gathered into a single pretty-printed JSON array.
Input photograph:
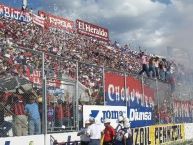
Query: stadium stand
[{"x": 21, "y": 47}]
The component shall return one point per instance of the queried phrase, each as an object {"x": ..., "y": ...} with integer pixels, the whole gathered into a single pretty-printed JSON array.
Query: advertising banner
[
  {"x": 102, "y": 112},
  {"x": 57, "y": 22},
  {"x": 188, "y": 127},
  {"x": 139, "y": 99},
  {"x": 140, "y": 109},
  {"x": 23, "y": 140},
  {"x": 92, "y": 30},
  {"x": 13, "y": 13},
  {"x": 183, "y": 111},
  {"x": 158, "y": 134},
  {"x": 115, "y": 90}
]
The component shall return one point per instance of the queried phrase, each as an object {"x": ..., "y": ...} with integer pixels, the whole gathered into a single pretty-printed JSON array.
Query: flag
[
  {"x": 25, "y": 4},
  {"x": 38, "y": 20}
]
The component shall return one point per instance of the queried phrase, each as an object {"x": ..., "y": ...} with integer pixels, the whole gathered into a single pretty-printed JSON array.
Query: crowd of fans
[{"x": 21, "y": 45}]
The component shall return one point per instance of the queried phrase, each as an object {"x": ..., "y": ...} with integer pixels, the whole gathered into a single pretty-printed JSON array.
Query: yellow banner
[{"x": 158, "y": 134}]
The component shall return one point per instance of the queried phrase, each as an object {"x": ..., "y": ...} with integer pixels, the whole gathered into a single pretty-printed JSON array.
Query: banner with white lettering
[
  {"x": 183, "y": 111},
  {"x": 101, "y": 112},
  {"x": 92, "y": 30},
  {"x": 139, "y": 100},
  {"x": 52, "y": 21},
  {"x": 13, "y": 13}
]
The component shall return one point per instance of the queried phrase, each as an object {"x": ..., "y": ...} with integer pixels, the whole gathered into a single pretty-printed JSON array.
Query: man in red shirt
[
  {"x": 20, "y": 119},
  {"x": 59, "y": 115},
  {"x": 109, "y": 133}
]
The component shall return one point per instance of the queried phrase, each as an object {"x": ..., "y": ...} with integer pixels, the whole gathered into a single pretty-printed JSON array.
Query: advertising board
[
  {"x": 183, "y": 111},
  {"x": 92, "y": 30},
  {"x": 102, "y": 112},
  {"x": 138, "y": 99},
  {"x": 23, "y": 140},
  {"x": 52, "y": 21},
  {"x": 13, "y": 13},
  {"x": 158, "y": 134}
]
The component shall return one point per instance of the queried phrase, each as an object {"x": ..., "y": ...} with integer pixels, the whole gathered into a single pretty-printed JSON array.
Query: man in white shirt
[{"x": 94, "y": 131}]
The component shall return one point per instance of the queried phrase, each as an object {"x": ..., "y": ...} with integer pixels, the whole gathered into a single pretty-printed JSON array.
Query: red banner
[
  {"x": 92, "y": 30},
  {"x": 57, "y": 22},
  {"x": 115, "y": 90}
]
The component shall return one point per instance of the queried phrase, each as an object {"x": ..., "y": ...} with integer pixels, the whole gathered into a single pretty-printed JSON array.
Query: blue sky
[{"x": 153, "y": 24}]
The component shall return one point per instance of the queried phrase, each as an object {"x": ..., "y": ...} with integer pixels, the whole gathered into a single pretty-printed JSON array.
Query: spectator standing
[
  {"x": 124, "y": 135},
  {"x": 67, "y": 114},
  {"x": 32, "y": 111},
  {"x": 59, "y": 114},
  {"x": 144, "y": 64},
  {"x": 120, "y": 123},
  {"x": 152, "y": 67},
  {"x": 50, "y": 115},
  {"x": 4, "y": 125},
  {"x": 128, "y": 140},
  {"x": 94, "y": 131},
  {"x": 162, "y": 70},
  {"x": 20, "y": 118},
  {"x": 109, "y": 133},
  {"x": 83, "y": 134},
  {"x": 157, "y": 67}
]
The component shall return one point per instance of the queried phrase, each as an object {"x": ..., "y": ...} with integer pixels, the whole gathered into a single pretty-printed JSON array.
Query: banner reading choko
[{"x": 139, "y": 101}]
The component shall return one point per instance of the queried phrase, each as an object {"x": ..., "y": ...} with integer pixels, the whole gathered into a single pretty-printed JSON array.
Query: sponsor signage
[
  {"x": 102, "y": 112},
  {"x": 188, "y": 127},
  {"x": 139, "y": 105},
  {"x": 16, "y": 14},
  {"x": 23, "y": 140},
  {"x": 158, "y": 134},
  {"x": 183, "y": 111},
  {"x": 92, "y": 30},
  {"x": 57, "y": 22}
]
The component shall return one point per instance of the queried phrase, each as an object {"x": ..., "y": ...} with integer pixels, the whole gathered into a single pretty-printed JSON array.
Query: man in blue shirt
[{"x": 34, "y": 122}]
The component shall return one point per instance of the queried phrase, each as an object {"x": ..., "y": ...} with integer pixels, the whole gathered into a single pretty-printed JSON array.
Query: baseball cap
[
  {"x": 91, "y": 119},
  {"x": 106, "y": 120}
]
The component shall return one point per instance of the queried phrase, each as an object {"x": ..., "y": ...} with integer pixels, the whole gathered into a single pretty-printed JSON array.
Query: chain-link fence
[
  {"x": 21, "y": 78},
  {"x": 41, "y": 93},
  {"x": 60, "y": 93}
]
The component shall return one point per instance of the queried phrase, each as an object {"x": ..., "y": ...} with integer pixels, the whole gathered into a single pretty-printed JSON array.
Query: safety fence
[{"x": 44, "y": 93}]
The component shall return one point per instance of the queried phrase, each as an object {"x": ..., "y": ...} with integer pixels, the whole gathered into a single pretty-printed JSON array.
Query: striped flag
[{"x": 38, "y": 20}]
